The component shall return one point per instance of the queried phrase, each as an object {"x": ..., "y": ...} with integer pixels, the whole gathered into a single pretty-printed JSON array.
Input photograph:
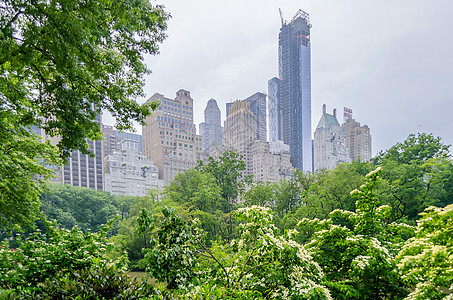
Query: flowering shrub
[
  {"x": 426, "y": 260},
  {"x": 259, "y": 264},
  {"x": 357, "y": 260}
]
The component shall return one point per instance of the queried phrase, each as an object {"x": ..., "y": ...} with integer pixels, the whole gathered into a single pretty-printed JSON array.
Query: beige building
[
  {"x": 128, "y": 172},
  {"x": 169, "y": 136},
  {"x": 329, "y": 143},
  {"x": 358, "y": 140},
  {"x": 240, "y": 130},
  {"x": 268, "y": 166},
  {"x": 240, "y": 135}
]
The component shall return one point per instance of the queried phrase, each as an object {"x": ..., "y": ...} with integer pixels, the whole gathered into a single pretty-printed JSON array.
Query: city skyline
[{"x": 389, "y": 62}]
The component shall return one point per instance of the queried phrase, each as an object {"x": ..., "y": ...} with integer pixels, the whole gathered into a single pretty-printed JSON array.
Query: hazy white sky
[{"x": 391, "y": 62}]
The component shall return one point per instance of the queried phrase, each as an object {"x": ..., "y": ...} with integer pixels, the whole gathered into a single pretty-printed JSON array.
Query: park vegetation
[{"x": 364, "y": 230}]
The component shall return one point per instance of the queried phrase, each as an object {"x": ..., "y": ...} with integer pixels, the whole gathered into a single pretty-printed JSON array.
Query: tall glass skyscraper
[
  {"x": 275, "y": 109},
  {"x": 295, "y": 95}
]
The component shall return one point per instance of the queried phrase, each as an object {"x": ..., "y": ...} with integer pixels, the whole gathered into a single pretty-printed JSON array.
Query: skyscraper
[
  {"x": 113, "y": 139},
  {"x": 240, "y": 129},
  {"x": 128, "y": 172},
  {"x": 211, "y": 129},
  {"x": 258, "y": 107},
  {"x": 275, "y": 109},
  {"x": 264, "y": 163},
  {"x": 82, "y": 169},
  {"x": 169, "y": 136},
  {"x": 295, "y": 74},
  {"x": 257, "y": 103}
]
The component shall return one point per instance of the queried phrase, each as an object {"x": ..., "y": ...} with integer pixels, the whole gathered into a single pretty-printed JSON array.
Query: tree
[
  {"x": 22, "y": 158},
  {"x": 261, "y": 194},
  {"x": 259, "y": 264},
  {"x": 196, "y": 191},
  {"x": 70, "y": 206},
  {"x": 61, "y": 64},
  {"x": 419, "y": 174},
  {"x": 65, "y": 264},
  {"x": 228, "y": 171}
]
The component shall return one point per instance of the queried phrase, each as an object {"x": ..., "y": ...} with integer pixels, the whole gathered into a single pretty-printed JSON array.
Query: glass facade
[
  {"x": 275, "y": 110},
  {"x": 295, "y": 96},
  {"x": 258, "y": 107}
]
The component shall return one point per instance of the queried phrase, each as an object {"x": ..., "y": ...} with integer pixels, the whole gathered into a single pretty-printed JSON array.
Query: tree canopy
[{"x": 62, "y": 63}]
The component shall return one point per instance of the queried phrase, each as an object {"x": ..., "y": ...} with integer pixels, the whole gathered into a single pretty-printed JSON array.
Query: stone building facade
[
  {"x": 240, "y": 136},
  {"x": 169, "y": 136},
  {"x": 329, "y": 143},
  {"x": 211, "y": 129},
  {"x": 128, "y": 172},
  {"x": 358, "y": 140}
]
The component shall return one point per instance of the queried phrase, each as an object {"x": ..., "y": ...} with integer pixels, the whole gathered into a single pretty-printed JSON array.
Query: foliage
[
  {"x": 63, "y": 264},
  {"x": 260, "y": 194},
  {"x": 210, "y": 193},
  {"x": 77, "y": 206},
  {"x": 127, "y": 238},
  {"x": 61, "y": 64},
  {"x": 357, "y": 261},
  {"x": 170, "y": 258},
  {"x": 197, "y": 191},
  {"x": 324, "y": 191},
  {"x": 259, "y": 264},
  {"x": 22, "y": 159},
  {"x": 419, "y": 174},
  {"x": 426, "y": 260},
  {"x": 228, "y": 172}
]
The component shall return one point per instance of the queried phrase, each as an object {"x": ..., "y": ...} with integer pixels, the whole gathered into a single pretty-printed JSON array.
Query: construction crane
[{"x": 281, "y": 16}]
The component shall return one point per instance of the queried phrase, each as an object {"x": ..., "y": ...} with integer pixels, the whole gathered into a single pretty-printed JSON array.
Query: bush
[{"x": 65, "y": 264}]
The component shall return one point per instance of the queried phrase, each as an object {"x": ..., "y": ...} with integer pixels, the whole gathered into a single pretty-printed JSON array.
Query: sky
[{"x": 391, "y": 62}]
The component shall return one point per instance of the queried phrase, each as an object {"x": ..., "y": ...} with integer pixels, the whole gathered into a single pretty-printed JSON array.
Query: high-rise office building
[
  {"x": 258, "y": 107},
  {"x": 169, "y": 136},
  {"x": 211, "y": 129},
  {"x": 358, "y": 140},
  {"x": 82, "y": 169},
  {"x": 240, "y": 129},
  {"x": 275, "y": 109},
  {"x": 257, "y": 103},
  {"x": 329, "y": 145},
  {"x": 261, "y": 162},
  {"x": 295, "y": 95}
]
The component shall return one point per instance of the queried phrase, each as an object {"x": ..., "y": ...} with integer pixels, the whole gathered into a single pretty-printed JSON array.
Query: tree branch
[
  {"x": 15, "y": 17},
  {"x": 258, "y": 266},
  {"x": 247, "y": 260},
  {"x": 211, "y": 255}
]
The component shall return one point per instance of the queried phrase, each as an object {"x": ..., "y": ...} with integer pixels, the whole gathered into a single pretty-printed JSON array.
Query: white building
[
  {"x": 128, "y": 172},
  {"x": 278, "y": 146},
  {"x": 330, "y": 148}
]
